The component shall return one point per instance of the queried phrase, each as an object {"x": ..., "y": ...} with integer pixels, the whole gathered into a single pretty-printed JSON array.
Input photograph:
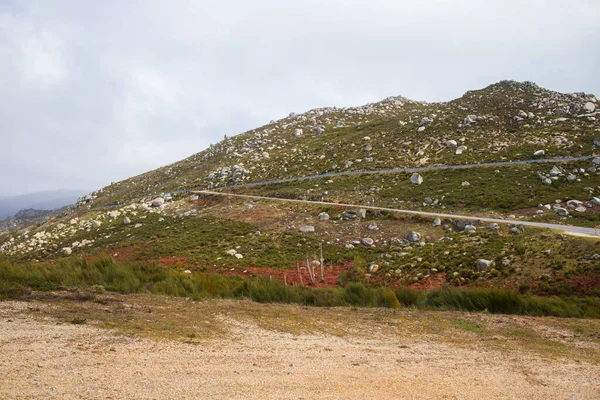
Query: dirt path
[
  {"x": 568, "y": 229},
  {"x": 42, "y": 359}
]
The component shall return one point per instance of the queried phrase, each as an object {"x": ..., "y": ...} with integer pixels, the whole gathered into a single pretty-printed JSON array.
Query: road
[
  {"x": 417, "y": 169},
  {"x": 570, "y": 229}
]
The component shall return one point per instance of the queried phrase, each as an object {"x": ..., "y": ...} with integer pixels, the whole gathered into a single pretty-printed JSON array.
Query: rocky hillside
[
  {"x": 505, "y": 121},
  {"x": 150, "y": 218}
]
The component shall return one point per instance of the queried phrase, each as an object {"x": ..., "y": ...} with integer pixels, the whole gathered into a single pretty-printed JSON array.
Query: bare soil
[{"x": 165, "y": 348}]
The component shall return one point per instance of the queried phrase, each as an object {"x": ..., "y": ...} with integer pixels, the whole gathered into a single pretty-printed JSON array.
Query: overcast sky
[{"x": 97, "y": 91}]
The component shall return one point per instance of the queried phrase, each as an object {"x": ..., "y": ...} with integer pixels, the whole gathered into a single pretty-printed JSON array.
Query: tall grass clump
[{"x": 17, "y": 280}]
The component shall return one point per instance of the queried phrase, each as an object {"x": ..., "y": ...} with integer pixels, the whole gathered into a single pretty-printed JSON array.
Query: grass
[
  {"x": 18, "y": 280},
  {"x": 510, "y": 189}
]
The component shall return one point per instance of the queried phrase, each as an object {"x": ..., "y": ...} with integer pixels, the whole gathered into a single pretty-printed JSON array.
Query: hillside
[
  {"x": 505, "y": 121},
  {"x": 153, "y": 218}
]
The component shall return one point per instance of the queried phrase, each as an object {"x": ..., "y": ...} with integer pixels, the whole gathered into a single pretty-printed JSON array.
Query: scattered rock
[
  {"x": 437, "y": 222},
  {"x": 561, "y": 211},
  {"x": 367, "y": 241},
  {"x": 323, "y": 216},
  {"x": 482, "y": 264},
  {"x": 589, "y": 107},
  {"x": 416, "y": 179},
  {"x": 126, "y": 221},
  {"x": 350, "y": 214},
  {"x": 538, "y": 153},
  {"x": 413, "y": 236},
  {"x": 157, "y": 202},
  {"x": 307, "y": 229},
  {"x": 373, "y": 227},
  {"x": 67, "y": 251},
  {"x": 470, "y": 229}
]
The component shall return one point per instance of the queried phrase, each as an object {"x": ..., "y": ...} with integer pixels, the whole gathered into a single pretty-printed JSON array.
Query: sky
[{"x": 97, "y": 91}]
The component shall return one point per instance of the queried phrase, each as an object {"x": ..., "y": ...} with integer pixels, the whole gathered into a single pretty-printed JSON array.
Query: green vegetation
[
  {"x": 18, "y": 280},
  {"x": 503, "y": 189}
]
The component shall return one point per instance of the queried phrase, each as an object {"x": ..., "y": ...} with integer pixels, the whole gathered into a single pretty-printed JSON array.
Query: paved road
[
  {"x": 417, "y": 169},
  {"x": 578, "y": 230}
]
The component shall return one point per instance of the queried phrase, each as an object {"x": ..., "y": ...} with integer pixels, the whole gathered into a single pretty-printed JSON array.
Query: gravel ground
[{"x": 43, "y": 359}]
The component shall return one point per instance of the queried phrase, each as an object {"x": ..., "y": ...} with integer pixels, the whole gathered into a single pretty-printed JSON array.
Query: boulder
[
  {"x": 367, "y": 241},
  {"x": 157, "y": 202},
  {"x": 67, "y": 251},
  {"x": 555, "y": 171},
  {"x": 514, "y": 231},
  {"x": 126, "y": 221},
  {"x": 362, "y": 213},
  {"x": 451, "y": 144},
  {"x": 350, "y": 214},
  {"x": 460, "y": 150},
  {"x": 373, "y": 268},
  {"x": 298, "y": 133},
  {"x": 465, "y": 184},
  {"x": 589, "y": 107},
  {"x": 571, "y": 178},
  {"x": 307, "y": 229},
  {"x": 437, "y": 222},
  {"x": 413, "y": 236},
  {"x": 595, "y": 201},
  {"x": 323, "y": 216},
  {"x": 538, "y": 153},
  {"x": 373, "y": 227},
  {"x": 470, "y": 229},
  {"x": 416, "y": 179},
  {"x": 96, "y": 224},
  {"x": 420, "y": 129},
  {"x": 561, "y": 211},
  {"x": 482, "y": 264}
]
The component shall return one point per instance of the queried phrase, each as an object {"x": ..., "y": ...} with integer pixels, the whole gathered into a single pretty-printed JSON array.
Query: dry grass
[{"x": 196, "y": 322}]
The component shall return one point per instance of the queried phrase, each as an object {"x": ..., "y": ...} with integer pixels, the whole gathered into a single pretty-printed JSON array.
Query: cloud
[{"x": 94, "y": 92}]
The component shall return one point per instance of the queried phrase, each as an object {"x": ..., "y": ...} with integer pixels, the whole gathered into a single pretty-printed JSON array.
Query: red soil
[
  {"x": 331, "y": 273},
  {"x": 433, "y": 282}
]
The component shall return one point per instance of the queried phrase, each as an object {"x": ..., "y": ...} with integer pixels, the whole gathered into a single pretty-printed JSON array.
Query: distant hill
[{"x": 48, "y": 200}]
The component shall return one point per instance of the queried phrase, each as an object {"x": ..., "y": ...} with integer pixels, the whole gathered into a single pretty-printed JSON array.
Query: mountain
[
  {"x": 539, "y": 147},
  {"x": 47, "y": 200}
]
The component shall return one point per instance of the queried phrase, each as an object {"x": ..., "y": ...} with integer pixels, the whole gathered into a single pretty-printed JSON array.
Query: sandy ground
[{"x": 43, "y": 359}]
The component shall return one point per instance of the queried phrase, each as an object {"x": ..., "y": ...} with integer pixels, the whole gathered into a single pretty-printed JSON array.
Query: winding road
[{"x": 569, "y": 229}]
